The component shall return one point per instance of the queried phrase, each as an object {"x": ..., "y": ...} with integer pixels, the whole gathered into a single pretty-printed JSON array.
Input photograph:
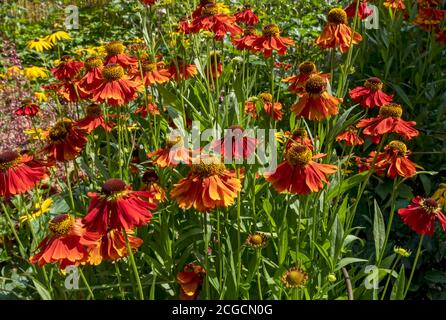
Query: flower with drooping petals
[
  {"x": 420, "y": 215},
  {"x": 110, "y": 246},
  {"x": 55, "y": 37},
  {"x": 371, "y": 94},
  {"x": 149, "y": 108},
  {"x": 94, "y": 118},
  {"x": 336, "y": 33},
  {"x": 270, "y": 41},
  {"x": 395, "y": 4},
  {"x": 299, "y": 173},
  {"x": 246, "y": 16},
  {"x": 351, "y": 137},
  {"x": 429, "y": 18},
  {"x": 62, "y": 245},
  {"x": 116, "y": 55},
  {"x": 117, "y": 206},
  {"x": 299, "y": 136},
  {"x": 236, "y": 144},
  {"x": 28, "y": 109},
  {"x": 364, "y": 11},
  {"x": 19, "y": 173},
  {"x": 389, "y": 120},
  {"x": 39, "y": 44},
  {"x": 394, "y": 161},
  {"x": 180, "y": 70},
  {"x": 150, "y": 182},
  {"x": 190, "y": 281},
  {"x": 173, "y": 154},
  {"x": 116, "y": 88},
  {"x": 306, "y": 70},
  {"x": 316, "y": 103},
  {"x": 93, "y": 75},
  {"x": 67, "y": 69},
  {"x": 246, "y": 41},
  {"x": 208, "y": 185},
  {"x": 65, "y": 141},
  {"x": 272, "y": 109},
  {"x": 153, "y": 72},
  {"x": 213, "y": 20}
]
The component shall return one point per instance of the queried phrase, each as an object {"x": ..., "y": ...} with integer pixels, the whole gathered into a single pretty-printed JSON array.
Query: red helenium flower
[
  {"x": 371, "y": 94},
  {"x": 67, "y": 68},
  {"x": 19, "y": 173},
  {"x": 65, "y": 141},
  {"x": 389, "y": 120},
  {"x": 93, "y": 119},
  {"x": 93, "y": 75},
  {"x": 350, "y": 137},
  {"x": 421, "y": 214},
  {"x": 118, "y": 207},
  {"x": 246, "y": 16},
  {"x": 270, "y": 41},
  {"x": 115, "y": 55},
  {"x": 236, "y": 144},
  {"x": 28, "y": 109},
  {"x": 394, "y": 161},
  {"x": 190, "y": 281},
  {"x": 363, "y": 9},
  {"x": 306, "y": 70}
]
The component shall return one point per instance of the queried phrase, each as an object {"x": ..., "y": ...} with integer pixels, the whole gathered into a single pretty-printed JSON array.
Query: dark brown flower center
[
  {"x": 337, "y": 16},
  {"x": 94, "y": 110},
  {"x": 307, "y": 68},
  {"x": 399, "y": 146},
  {"x": 299, "y": 155},
  {"x": 65, "y": 58},
  {"x": 113, "y": 72},
  {"x": 113, "y": 185},
  {"x": 208, "y": 167},
  {"x": 431, "y": 206},
  {"x": 61, "y": 224},
  {"x": 271, "y": 30},
  {"x": 374, "y": 83},
  {"x": 391, "y": 110},
  {"x": 59, "y": 131},
  {"x": 93, "y": 62},
  {"x": 315, "y": 85},
  {"x": 114, "y": 48},
  {"x": 149, "y": 176},
  {"x": 8, "y": 159}
]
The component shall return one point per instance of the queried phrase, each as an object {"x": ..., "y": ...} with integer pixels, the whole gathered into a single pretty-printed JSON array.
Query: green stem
[
  {"x": 90, "y": 292},
  {"x": 239, "y": 254},
  {"x": 133, "y": 264},
  {"x": 389, "y": 277},
  {"x": 417, "y": 256}
]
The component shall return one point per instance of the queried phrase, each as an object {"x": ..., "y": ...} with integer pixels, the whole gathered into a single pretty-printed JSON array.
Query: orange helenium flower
[
  {"x": 236, "y": 144},
  {"x": 116, "y": 88},
  {"x": 316, "y": 103},
  {"x": 28, "y": 109},
  {"x": 190, "y": 281},
  {"x": 271, "y": 40},
  {"x": 93, "y": 119},
  {"x": 272, "y": 109},
  {"x": 212, "y": 19},
  {"x": 93, "y": 75},
  {"x": 208, "y": 185},
  {"x": 298, "y": 173},
  {"x": 350, "y": 137},
  {"x": 118, "y": 207},
  {"x": 115, "y": 55},
  {"x": 395, "y": 161},
  {"x": 65, "y": 141},
  {"x": 151, "y": 183},
  {"x": 19, "y": 173},
  {"x": 246, "y": 41},
  {"x": 153, "y": 72},
  {"x": 110, "y": 246},
  {"x": 389, "y": 120},
  {"x": 180, "y": 70},
  {"x": 62, "y": 245},
  {"x": 395, "y": 4},
  {"x": 246, "y": 16},
  {"x": 336, "y": 33},
  {"x": 173, "y": 154},
  {"x": 306, "y": 70}
]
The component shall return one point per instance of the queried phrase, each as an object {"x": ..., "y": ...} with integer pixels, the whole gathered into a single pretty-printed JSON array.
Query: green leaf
[
  {"x": 435, "y": 276},
  {"x": 43, "y": 292},
  {"x": 346, "y": 261},
  {"x": 399, "y": 286},
  {"x": 347, "y": 184},
  {"x": 379, "y": 231}
]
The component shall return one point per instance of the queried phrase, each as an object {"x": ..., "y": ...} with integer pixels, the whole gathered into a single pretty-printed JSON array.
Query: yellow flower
[
  {"x": 35, "y": 134},
  {"x": 280, "y": 137},
  {"x": 57, "y": 36},
  {"x": 36, "y": 72},
  {"x": 88, "y": 51},
  {"x": 39, "y": 44},
  {"x": 440, "y": 195},
  {"x": 41, "y": 96},
  {"x": 14, "y": 70},
  {"x": 401, "y": 251},
  {"x": 41, "y": 208}
]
